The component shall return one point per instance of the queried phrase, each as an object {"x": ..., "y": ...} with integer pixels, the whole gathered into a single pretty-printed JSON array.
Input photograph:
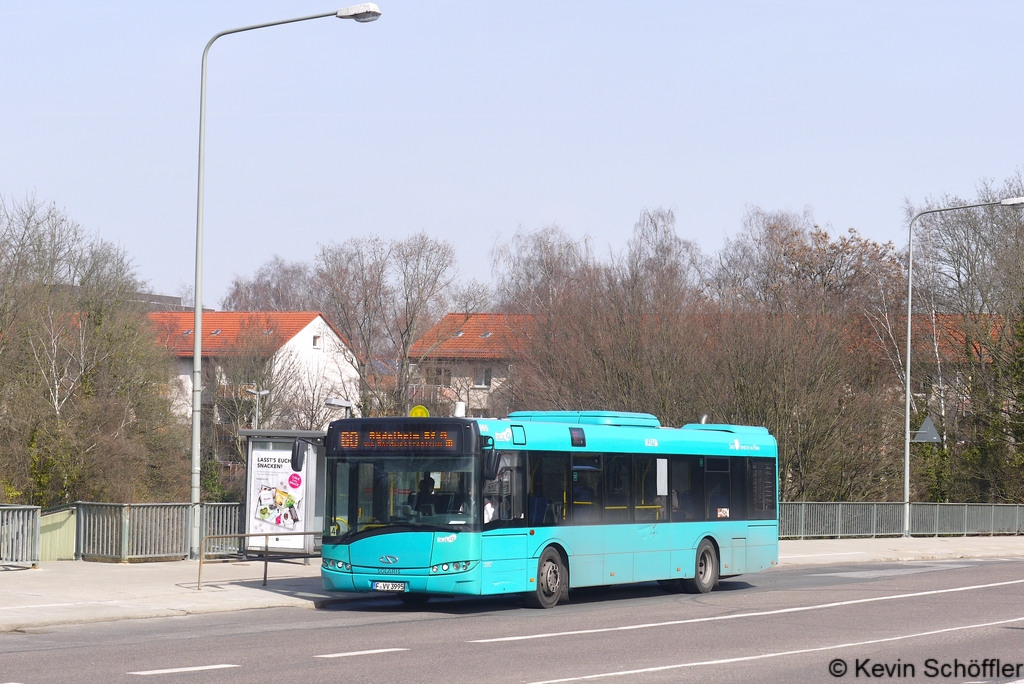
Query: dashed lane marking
[
  {"x": 175, "y": 670},
  {"x": 359, "y": 653}
]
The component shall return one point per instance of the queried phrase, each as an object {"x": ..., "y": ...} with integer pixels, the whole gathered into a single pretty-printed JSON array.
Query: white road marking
[
  {"x": 762, "y": 656},
  {"x": 174, "y": 670},
  {"x": 819, "y": 555},
  {"x": 359, "y": 653},
  {"x": 735, "y": 616}
]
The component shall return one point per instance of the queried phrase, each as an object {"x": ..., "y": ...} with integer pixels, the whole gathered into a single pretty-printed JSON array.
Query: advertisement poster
[{"x": 276, "y": 497}]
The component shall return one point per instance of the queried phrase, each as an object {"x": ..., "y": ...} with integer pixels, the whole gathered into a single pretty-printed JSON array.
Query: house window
[
  {"x": 443, "y": 377},
  {"x": 316, "y": 342},
  {"x": 483, "y": 378}
]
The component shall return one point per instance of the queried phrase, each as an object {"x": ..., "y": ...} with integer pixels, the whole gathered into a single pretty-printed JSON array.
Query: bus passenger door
[
  {"x": 652, "y": 558},
  {"x": 504, "y": 561},
  {"x": 504, "y": 539}
]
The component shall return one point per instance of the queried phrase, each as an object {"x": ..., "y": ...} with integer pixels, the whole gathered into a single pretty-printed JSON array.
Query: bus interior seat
[
  {"x": 538, "y": 508},
  {"x": 443, "y": 501}
]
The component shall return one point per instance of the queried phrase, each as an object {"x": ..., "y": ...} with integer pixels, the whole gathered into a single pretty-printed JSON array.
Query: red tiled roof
[
  {"x": 226, "y": 332},
  {"x": 954, "y": 343},
  {"x": 472, "y": 336}
]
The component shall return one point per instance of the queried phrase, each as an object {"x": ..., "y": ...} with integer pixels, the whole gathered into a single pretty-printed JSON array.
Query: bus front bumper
[{"x": 418, "y": 581}]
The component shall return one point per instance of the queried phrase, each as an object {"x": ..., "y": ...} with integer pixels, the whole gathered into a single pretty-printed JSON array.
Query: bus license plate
[{"x": 388, "y": 586}]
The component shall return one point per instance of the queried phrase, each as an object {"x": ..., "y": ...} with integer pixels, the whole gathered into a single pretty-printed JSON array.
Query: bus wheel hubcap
[{"x": 551, "y": 579}]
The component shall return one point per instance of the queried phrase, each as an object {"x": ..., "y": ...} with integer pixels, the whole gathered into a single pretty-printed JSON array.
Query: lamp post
[
  {"x": 335, "y": 403},
  {"x": 257, "y": 394},
  {"x": 362, "y": 13},
  {"x": 1010, "y": 202}
]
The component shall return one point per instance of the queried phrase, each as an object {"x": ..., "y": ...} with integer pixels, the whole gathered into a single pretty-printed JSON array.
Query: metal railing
[
  {"x": 128, "y": 532},
  {"x": 132, "y": 532},
  {"x": 224, "y": 521},
  {"x": 802, "y": 520},
  {"x": 19, "y": 535}
]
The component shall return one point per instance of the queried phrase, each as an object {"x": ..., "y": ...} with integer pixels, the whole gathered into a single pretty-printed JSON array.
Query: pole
[
  {"x": 197, "y": 328},
  {"x": 910, "y": 301}
]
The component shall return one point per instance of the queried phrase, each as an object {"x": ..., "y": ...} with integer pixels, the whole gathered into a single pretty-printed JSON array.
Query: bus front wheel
[
  {"x": 551, "y": 579},
  {"x": 705, "y": 574}
]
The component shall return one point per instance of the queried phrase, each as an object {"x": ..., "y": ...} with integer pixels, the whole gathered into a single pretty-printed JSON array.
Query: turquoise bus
[{"x": 540, "y": 503}]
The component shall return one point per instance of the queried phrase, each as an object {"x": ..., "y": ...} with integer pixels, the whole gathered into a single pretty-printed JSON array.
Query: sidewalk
[
  {"x": 826, "y": 551},
  {"x": 69, "y": 592}
]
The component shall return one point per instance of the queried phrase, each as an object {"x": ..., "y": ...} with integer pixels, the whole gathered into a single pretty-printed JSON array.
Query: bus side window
[
  {"x": 738, "y": 484},
  {"x": 686, "y": 491},
  {"x": 548, "y": 492},
  {"x": 618, "y": 507},
  {"x": 503, "y": 496},
  {"x": 648, "y": 501},
  {"x": 586, "y": 489},
  {"x": 761, "y": 487},
  {"x": 716, "y": 481}
]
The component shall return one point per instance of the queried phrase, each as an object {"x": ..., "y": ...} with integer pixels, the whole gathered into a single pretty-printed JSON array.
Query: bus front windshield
[{"x": 398, "y": 492}]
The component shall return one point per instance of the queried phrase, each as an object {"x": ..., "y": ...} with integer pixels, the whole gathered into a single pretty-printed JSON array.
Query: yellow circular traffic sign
[{"x": 419, "y": 411}]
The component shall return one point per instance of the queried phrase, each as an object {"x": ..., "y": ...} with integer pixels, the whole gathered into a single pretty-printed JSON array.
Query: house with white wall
[
  {"x": 468, "y": 357},
  {"x": 298, "y": 356}
]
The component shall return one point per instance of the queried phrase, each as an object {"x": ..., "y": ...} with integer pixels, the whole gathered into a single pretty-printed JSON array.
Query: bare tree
[
  {"x": 82, "y": 414},
  {"x": 277, "y": 285},
  {"x": 613, "y": 334},
  {"x": 969, "y": 278},
  {"x": 383, "y": 296}
]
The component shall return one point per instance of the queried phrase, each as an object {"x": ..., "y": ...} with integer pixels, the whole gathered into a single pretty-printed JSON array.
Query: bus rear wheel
[
  {"x": 551, "y": 579},
  {"x": 705, "y": 575}
]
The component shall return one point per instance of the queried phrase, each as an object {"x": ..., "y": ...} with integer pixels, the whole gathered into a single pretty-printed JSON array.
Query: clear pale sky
[{"x": 470, "y": 119}]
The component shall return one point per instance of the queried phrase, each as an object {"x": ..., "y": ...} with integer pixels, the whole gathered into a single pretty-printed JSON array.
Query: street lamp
[
  {"x": 257, "y": 394},
  {"x": 335, "y": 403},
  {"x": 362, "y": 13},
  {"x": 1009, "y": 202}
]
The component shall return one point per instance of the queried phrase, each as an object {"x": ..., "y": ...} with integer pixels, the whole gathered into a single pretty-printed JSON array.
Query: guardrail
[
  {"x": 132, "y": 532},
  {"x": 126, "y": 532},
  {"x": 19, "y": 535},
  {"x": 223, "y": 520},
  {"x": 266, "y": 549},
  {"x": 801, "y": 520}
]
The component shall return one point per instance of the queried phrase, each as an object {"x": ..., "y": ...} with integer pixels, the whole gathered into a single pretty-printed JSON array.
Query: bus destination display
[{"x": 401, "y": 438}]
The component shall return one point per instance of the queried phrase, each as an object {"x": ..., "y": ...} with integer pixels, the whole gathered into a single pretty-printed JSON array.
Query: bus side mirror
[
  {"x": 492, "y": 462},
  {"x": 298, "y": 455}
]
